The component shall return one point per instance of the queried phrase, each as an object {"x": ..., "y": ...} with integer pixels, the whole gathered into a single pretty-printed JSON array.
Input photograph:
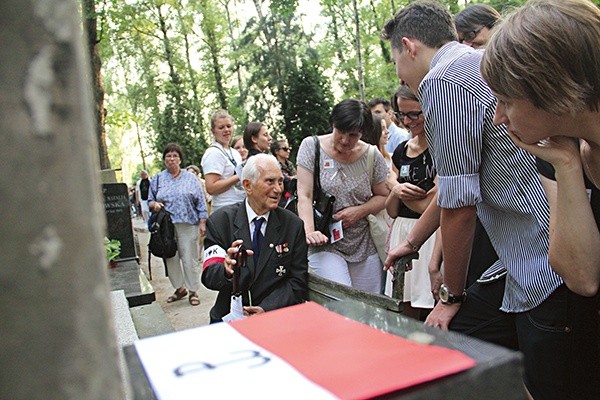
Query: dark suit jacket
[{"x": 281, "y": 277}]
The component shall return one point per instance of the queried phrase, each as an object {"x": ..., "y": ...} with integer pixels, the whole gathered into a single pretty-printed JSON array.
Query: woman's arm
[
  {"x": 350, "y": 215},
  {"x": 305, "y": 209},
  {"x": 574, "y": 238},
  {"x": 216, "y": 185}
]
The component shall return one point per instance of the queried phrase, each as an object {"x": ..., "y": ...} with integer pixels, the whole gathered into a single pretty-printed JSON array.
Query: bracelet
[{"x": 415, "y": 248}]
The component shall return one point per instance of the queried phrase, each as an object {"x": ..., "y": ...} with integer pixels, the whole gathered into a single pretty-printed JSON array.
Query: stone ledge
[{"x": 150, "y": 320}]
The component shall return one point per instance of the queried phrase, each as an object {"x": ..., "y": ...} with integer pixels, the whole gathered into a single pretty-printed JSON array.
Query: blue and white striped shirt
[
  {"x": 183, "y": 196},
  {"x": 479, "y": 165}
]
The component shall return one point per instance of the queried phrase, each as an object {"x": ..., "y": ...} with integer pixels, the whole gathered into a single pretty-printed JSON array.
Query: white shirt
[
  {"x": 252, "y": 215},
  {"x": 396, "y": 136},
  {"x": 217, "y": 160}
]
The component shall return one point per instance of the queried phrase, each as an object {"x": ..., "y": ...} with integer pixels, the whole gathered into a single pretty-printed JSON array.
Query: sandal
[
  {"x": 193, "y": 299},
  {"x": 178, "y": 295}
]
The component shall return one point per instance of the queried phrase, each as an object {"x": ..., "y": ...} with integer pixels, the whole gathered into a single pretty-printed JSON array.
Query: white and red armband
[{"x": 215, "y": 254}]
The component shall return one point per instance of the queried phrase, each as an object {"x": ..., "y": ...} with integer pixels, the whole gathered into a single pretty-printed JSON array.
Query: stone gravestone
[{"x": 118, "y": 218}]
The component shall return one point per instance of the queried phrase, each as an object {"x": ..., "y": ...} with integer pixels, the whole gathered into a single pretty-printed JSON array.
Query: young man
[
  {"x": 277, "y": 271},
  {"x": 519, "y": 302},
  {"x": 396, "y": 135},
  {"x": 555, "y": 115}
]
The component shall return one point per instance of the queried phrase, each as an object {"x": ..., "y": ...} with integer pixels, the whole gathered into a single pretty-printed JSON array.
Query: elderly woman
[
  {"x": 222, "y": 165},
  {"x": 180, "y": 194},
  {"x": 352, "y": 259},
  {"x": 256, "y": 138},
  {"x": 553, "y": 113}
]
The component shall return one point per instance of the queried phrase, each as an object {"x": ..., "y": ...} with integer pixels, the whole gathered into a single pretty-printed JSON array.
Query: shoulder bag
[
  {"x": 162, "y": 232},
  {"x": 322, "y": 201},
  {"x": 378, "y": 224}
]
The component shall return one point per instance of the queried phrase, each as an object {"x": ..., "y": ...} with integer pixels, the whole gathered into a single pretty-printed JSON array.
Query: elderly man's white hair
[{"x": 255, "y": 163}]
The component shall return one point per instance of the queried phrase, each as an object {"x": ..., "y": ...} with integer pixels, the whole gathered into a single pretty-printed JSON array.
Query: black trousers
[{"x": 559, "y": 339}]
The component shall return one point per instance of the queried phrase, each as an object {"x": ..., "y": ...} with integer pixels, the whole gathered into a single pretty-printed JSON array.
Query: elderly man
[{"x": 277, "y": 266}]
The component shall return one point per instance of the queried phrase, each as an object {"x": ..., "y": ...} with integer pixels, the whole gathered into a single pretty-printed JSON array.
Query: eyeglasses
[
  {"x": 470, "y": 35},
  {"x": 414, "y": 115},
  {"x": 285, "y": 148},
  {"x": 172, "y": 156}
]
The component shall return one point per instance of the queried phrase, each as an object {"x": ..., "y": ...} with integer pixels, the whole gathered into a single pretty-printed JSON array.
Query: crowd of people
[{"x": 485, "y": 161}]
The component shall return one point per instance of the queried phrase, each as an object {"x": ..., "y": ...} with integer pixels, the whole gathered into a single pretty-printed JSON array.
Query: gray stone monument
[{"x": 57, "y": 334}]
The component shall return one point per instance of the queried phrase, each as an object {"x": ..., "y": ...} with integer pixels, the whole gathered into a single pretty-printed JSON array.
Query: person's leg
[
  {"x": 330, "y": 266},
  {"x": 480, "y": 316},
  {"x": 559, "y": 340},
  {"x": 366, "y": 275},
  {"x": 173, "y": 265},
  {"x": 188, "y": 247},
  {"x": 145, "y": 210}
]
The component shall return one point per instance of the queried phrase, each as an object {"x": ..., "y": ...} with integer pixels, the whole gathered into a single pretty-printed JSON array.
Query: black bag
[
  {"x": 322, "y": 201},
  {"x": 162, "y": 235}
]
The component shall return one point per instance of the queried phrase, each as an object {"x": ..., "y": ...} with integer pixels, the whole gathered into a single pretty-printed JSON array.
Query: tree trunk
[
  {"x": 57, "y": 331},
  {"x": 90, "y": 23},
  {"x": 169, "y": 55},
  {"x": 234, "y": 47},
  {"x": 213, "y": 47},
  {"x": 359, "y": 65}
]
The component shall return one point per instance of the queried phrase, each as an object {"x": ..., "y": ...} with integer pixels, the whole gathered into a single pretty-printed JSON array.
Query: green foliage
[
  {"x": 112, "y": 248},
  {"x": 168, "y": 64},
  {"x": 309, "y": 102}
]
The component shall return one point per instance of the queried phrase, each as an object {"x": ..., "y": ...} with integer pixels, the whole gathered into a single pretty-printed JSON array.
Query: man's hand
[
  {"x": 229, "y": 261},
  {"x": 441, "y": 315},
  {"x": 252, "y": 310}
]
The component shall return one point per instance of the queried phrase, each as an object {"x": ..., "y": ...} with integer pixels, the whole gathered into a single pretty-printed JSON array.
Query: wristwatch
[{"x": 448, "y": 298}]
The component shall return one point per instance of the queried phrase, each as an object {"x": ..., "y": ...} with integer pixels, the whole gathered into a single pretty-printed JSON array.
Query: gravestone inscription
[{"x": 118, "y": 218}]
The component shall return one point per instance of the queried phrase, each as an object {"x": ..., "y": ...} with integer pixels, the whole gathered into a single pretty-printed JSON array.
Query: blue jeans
[{"x": 559, "y": 339}]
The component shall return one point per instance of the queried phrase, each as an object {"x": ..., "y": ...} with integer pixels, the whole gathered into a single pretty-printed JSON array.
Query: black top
[{"x": 412, "y": 170}]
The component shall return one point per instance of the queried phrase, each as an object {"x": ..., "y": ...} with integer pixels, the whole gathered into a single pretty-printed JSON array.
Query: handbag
[
  {"x": 162, "y": 231},
  {"x": 322, "y": 201},
  {"x": 378, "y": 224}
]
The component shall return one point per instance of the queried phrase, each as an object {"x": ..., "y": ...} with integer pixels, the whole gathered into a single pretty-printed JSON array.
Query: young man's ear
[{"x": 409, "y": 46}]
